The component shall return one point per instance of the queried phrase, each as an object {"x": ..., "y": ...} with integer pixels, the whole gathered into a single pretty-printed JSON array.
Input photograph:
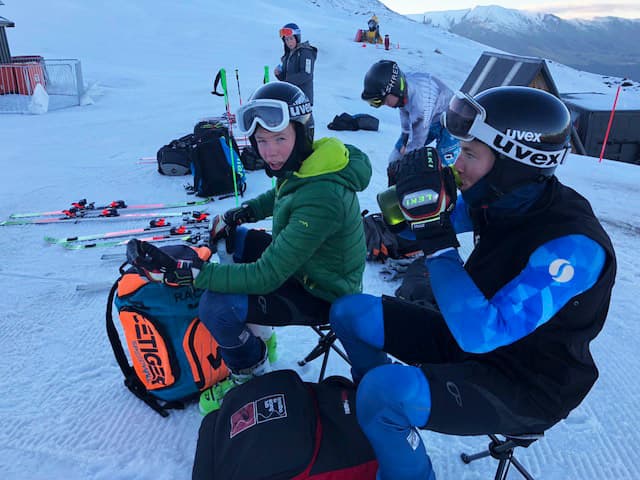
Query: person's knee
[
  {"x": 219, "y": 311},
  {"x": 395, "y": 395},
  {"x": 349, "y": 314}
]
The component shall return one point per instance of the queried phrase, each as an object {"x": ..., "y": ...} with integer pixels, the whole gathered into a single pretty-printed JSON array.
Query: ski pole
[
  {"x": 606, "y": 135},
  {"x": 245, "y": 140},
  {"x": 222, "y": 75},
  {"x": 238, "y": 83}
]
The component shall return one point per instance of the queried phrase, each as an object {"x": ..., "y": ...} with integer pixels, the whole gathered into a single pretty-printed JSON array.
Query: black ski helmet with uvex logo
[
  {"x": 535, "y": 118},
  {"x": 300, "y": 113}
]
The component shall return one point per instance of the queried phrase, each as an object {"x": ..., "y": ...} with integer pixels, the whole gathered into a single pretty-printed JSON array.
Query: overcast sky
[{"x": 568, "y": 9}]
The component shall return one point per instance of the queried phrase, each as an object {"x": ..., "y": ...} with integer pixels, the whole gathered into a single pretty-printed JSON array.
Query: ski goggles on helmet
[
  {"x": 375, "y": 102},
  {"x": 465, "y": 119},
  {"x": 272, "y": 115},
  {"x": 289, "y": 32}
]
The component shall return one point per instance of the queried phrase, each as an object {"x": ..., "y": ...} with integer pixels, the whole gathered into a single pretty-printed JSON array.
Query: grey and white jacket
[{"x": 427, "y": 97}]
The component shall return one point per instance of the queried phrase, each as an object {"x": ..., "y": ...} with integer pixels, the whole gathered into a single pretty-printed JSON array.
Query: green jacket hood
[{"x": 346, "y": 164}]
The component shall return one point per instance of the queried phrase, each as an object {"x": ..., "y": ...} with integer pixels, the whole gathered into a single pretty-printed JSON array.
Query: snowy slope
[{"x": 150, "y": 65}]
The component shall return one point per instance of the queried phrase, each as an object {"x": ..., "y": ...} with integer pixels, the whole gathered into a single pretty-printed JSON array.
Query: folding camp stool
[
  {"x": 502, "y": 450},
  {"x": 326, "y": 343}
]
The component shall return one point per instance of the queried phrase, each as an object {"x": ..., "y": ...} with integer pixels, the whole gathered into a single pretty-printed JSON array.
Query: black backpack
[
  {"x": 212, "y": 161},
  {"x": 175, "y": 157},
  {"x": 251, "y": 159},
  {"x": 277, "y": 427}
]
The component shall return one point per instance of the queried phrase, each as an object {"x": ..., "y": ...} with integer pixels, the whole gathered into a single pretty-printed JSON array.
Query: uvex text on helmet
[
  {"x": 527, "y": 120},
  {"x": 533, "y": 117}
]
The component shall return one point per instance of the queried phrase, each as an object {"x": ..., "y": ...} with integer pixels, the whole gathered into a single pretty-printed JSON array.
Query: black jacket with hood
[{"x": 297, "y": 67}]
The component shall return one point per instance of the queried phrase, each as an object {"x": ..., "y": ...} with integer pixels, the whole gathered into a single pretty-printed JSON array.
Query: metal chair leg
[
  {"x": 502, "y": 450},
  {"x": 325, "y": 344}
]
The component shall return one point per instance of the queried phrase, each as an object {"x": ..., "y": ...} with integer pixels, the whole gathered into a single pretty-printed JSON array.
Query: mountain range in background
[{"x": 604, "y": 45}]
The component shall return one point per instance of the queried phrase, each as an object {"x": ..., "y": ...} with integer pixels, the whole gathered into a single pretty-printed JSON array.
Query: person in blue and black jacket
[{"x": 506, "y": 347}]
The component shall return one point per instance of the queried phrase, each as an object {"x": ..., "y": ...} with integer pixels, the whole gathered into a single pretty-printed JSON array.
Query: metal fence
[{"x": 61, "y": 79}]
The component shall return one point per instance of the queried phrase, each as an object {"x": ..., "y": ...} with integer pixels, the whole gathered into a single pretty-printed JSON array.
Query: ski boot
[{"x": 211, "y": 398}]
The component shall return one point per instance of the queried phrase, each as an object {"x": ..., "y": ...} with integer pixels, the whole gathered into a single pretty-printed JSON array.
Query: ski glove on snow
[
  {"x": 427, "y": 195},
  {"x": 160, "y": 267}
]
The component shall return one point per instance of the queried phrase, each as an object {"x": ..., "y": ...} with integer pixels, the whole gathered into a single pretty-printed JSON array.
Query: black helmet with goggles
[
  {"x": 528, "y": 130},
  {"x": 273, "y": 106}
]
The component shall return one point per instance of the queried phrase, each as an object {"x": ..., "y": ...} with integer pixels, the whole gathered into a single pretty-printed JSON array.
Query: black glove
[
  {"x": 392, "y": 173},
  {"x": 224, "y": 226},
  {"x": 158, "y": 266},
  {"x": 427, "y": 195},
  {"x": 239, "y": 215},
  {"x": 381, "y": 243}
]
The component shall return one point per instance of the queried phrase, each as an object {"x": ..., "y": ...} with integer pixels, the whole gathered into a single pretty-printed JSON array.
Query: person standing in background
[{"x": 297, "y": 63}]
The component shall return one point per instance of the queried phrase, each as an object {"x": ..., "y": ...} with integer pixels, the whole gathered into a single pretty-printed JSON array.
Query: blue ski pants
[{"x": 392, "y": 400}]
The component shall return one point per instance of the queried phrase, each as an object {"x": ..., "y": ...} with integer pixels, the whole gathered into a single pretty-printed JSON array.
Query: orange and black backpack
[{"x": 173, "y": 355}]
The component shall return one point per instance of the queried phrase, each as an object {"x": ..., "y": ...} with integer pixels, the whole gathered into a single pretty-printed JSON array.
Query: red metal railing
[{"x": 22, "y": 75}]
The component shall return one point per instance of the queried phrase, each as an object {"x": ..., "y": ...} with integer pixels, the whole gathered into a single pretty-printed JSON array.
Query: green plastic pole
[{"x": 223, "y": 80}]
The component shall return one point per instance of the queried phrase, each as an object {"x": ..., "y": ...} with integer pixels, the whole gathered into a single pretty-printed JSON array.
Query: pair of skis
[
  {"x": 159, "y": 230},
  {"x": 192, "y": 237},
  {"x": 81, "y": 211}
]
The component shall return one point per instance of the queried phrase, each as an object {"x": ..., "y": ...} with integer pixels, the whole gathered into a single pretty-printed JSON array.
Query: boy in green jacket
[{"x": 317, "y": 250}]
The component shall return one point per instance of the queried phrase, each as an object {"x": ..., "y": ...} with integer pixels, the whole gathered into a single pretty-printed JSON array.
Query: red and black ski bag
[{"x": 277, "y": 427}]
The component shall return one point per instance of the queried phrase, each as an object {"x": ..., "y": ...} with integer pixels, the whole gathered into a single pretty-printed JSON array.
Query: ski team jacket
[
  {"x": 318, "y": 234},
  {"x": 297, "y": 67},
  {"x": 427, "y": 98},
  {"x": 532, "y": 295}
]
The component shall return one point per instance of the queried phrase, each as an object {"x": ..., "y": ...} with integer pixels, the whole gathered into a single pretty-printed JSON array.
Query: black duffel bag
[
  {"x": 278, "y": 427},
  {"x": 175, "y": 158}
]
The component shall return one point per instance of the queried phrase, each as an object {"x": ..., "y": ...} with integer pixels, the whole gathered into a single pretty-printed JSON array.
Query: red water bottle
[{"x": 386, "y": 42}]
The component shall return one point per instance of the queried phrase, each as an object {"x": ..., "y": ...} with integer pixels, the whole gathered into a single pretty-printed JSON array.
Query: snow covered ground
[{"x": 150, "y": 66}]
